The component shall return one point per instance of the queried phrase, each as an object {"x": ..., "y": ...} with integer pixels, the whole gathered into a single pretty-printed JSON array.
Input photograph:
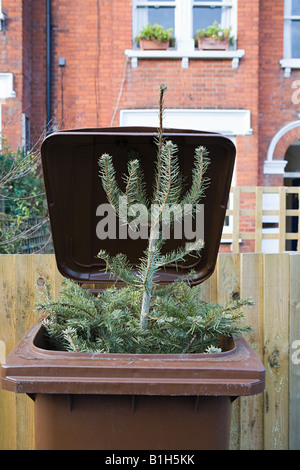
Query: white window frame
[
  {"x": 6, "y": 91},
  {"x": 2, "y": 17},
  {"x": 288, "y": 62},
  {"x": 230, "y": 122},
  {"x": 288, "y": 19},
  {"x": 7, "y": 86},
  {"x": 184, "y": 18}
]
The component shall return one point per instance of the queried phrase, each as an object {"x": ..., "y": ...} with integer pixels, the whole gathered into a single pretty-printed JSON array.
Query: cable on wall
[{"x": 121, "y": 90}]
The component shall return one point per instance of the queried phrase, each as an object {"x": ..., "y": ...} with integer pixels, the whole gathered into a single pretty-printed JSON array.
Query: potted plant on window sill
[
  {"x": 154, "y": 37},
  {"x": 213, "y": 38},
  {"x": 145, "y": 363}
]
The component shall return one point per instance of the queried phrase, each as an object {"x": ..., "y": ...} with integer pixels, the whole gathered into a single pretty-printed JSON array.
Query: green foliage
[
  {"x": 155, "y": 32},
  {"x": 168, "y": 192},
  {"x": 179, "y": 322},
  {"x": 144, "y": 317},
  {"x": 213, "y": 31},
  {"x": 22, "y": 197}
]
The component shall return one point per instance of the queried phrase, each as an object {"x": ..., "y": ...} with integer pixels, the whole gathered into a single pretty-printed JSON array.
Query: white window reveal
[
  {"x": 185, "y": 17},
  {"x": 2, "y": 17},
  {"x": 291, "y": 38},
  {"x": 6, "y": 91},
  {"x": 7, "y": 86},
  {"x": 226, "y": 121}
]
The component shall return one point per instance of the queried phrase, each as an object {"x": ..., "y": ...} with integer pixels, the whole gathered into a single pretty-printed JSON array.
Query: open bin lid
[{"x": 74, "y": 192}]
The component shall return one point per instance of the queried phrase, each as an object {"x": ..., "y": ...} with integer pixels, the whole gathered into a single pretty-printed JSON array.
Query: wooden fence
[
  {"x": 261, "y": 214},
  {"x": 267, "y": 421}
]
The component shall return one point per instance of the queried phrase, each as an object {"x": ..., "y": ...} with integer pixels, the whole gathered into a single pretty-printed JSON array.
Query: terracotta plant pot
[
  {"x": 131, "y": 402},
  {"x": 152, "y": 45},
  {"x": 211, "y": 44}
]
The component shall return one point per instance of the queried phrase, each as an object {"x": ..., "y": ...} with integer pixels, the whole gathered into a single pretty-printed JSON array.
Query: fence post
[
  {"x": 258, "y": 218},
  {"x": 236, "y": 220},
  {"x": 282, "y": 218}
]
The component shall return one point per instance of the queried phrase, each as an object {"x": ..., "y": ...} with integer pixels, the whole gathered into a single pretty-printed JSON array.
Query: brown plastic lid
[{"x": 74, "y": 191}]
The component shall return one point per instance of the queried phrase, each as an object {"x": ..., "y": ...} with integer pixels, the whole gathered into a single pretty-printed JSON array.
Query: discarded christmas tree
[
  {"x": 141, "y": 316},
  {"x": 168, "y": 191}
]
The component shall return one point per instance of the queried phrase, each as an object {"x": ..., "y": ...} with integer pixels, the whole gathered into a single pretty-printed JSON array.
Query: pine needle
[{"x": 179, "y": 322}]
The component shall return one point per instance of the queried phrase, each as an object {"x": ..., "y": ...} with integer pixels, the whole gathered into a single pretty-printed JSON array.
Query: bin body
[
  {"x": 126, "y": 422},
  {"x": 131, "y": 401}
]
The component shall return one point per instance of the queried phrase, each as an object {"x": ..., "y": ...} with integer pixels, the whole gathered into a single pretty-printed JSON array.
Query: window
[
  {"x": 161, "y": 12},
  {"x": 184, "y": 17},
  {"x": 6, "y": 91},
  {"x": 206, "y": 13},
  {"x": 26, "y": 142},
  {"x": 292, "y": 29}
]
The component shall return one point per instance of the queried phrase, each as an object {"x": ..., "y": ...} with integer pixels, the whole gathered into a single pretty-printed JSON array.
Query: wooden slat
[
  {"x": 228, "y": 289},
  {"x": 209, "y": 291},
  {"x": 44, "y": 273},
  {"x": 25, "y": 318},
  {"x": 258, "y": 219},
  {"x": 236, "y": 220},
  {"x": 294, "y": 365},
  {"x": 292, "y": 212},
  {"x": 276, "y": 339},
  {"x": 8, "y": 416},
  {"x": 251, "y": 422},
  {"x": 282, "y": 219},
  {"x": 292, "y": 189}
]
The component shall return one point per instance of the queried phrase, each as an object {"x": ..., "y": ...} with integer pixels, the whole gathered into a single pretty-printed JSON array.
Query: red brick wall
[
  {"x": 92, "y": 36},
  {"x": 276, "y": 108}
]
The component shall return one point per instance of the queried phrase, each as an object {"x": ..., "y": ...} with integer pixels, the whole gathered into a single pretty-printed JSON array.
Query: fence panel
[
  {"x": 252, "y": 408},
  {"x": 294, "y": 371},
  {"x": 276, "y": 350},
  {"x": 257, "y": 214},
  {"x": 272, "y": 280}
]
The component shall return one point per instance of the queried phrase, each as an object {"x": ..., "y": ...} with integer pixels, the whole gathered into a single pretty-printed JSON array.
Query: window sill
[
  {"x": 136, "y": 54},
  {"x": 288, "y": 65}
]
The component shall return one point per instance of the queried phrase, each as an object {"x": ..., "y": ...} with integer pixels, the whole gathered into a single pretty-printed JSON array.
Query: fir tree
[
  {"x": 178, "y": 322},
  {"x": 168, "y": 191},
  {"x": 144, "y": 317}
]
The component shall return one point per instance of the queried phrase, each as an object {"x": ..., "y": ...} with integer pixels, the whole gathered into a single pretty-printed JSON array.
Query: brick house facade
[{"x": 93, "y": 74}]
